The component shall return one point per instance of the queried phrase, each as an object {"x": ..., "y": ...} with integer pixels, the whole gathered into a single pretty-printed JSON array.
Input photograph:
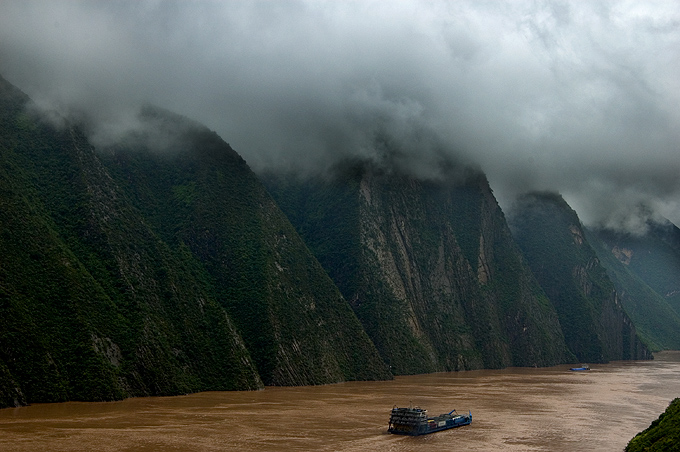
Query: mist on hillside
[{"x": 578, "y": 98}]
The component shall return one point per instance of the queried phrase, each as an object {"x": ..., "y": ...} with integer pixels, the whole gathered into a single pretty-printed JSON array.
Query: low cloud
[{"x": 575, "y": 97}]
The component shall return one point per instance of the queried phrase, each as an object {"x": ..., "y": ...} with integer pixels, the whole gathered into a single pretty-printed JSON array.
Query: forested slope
[
  {"x": 126, "y": 272},
  {"x": 595, "y": 325},
  {"x": 429, "y": 266},
  {"x": 663, "y": 435}
]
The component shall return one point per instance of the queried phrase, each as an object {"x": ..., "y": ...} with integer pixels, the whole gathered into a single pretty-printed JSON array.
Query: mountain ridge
[
  {"x": 428, "y": 290},
  {"x": 160, "y": 264},
  {"x": 98, "y": 304},
  {"x": 551, "y": 236}
]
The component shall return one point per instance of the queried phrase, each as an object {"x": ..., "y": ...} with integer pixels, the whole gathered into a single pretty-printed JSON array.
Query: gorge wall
[
  {"x": 146, "y": 270},
  {"x": 429, "y": 267},
  {"x": 595, "y": 325}
]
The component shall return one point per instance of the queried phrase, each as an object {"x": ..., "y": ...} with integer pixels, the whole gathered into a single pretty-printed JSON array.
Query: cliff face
[
  {"x": 595, "y": 325},
  {"x": 654, "y": 257},
  {"x": 296, "y": 324},
  {"x": 94, "y": 306},
  {"x": 657, "y": 323},
  {"x": 429, "y": 267},
  {"x": 161, "y": 265},
  {"x": 154, "y": 273}
]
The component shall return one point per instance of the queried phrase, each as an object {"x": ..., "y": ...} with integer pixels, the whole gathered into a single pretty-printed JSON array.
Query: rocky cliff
[
  {"x": 159, "y": 264},
  {"x": 203, "y": 198},
  {"x": 653, "y": 256},
  {"x": 429, "y": 267},
  {"x": 94, "y": 305},
  {"x": 595, "y": 325},
  {"x": 657, "y": 323},
  {"x": 137, "y": 273}
]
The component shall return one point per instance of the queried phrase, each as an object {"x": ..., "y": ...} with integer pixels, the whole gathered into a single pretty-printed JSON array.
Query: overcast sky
[{"x": 578, "y": 97}]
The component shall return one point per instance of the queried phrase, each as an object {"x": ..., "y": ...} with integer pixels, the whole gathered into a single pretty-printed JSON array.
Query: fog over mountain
[{"x": 576, "y": 97}]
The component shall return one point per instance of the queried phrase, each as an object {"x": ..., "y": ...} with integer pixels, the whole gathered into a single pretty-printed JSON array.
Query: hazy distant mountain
[
  {"x": 168, "y": 272},
  {"x": 654, "y": 257},
  {"x": 429, "y": 267},
  {"x": 551, "y": 237},
  {"x": 654, "y": 317}
]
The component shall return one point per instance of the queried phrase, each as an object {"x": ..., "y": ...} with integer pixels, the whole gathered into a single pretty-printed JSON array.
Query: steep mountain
[
  {"x": 654, "y": 257},
  {"x": 429, "y": 267},
  {"x": 200, "y": 196},
  {"x": 94, "y": 306},
  {"x": 596, "y": 327},
  {"x": 193, "y": 280},
  {"x": 654, "y": 318}
]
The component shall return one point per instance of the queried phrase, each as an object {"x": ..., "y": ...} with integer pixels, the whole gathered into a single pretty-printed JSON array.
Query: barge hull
[{"x": 414, "y": 421}]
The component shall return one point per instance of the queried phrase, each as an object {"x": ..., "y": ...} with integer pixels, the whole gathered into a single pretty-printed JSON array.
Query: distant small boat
[
  {"x": 579, "y": 369},
  {"x": 414, "y": 421}
]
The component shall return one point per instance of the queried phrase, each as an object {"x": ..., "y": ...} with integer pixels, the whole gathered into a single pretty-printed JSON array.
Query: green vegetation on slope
[
  {"x": 550, "y": 235},
  {"x": 94, "y": 305},
  {"x": 663, "y": 435},
  {"x": 326, "y": 216},
  {"x": 294, "y": 321},
  {"x": 654, "y": 257},
  {"x": 162, "y": 274},
  {"x": 655, "y": 320},
  {"x": 392, "y": 243}
]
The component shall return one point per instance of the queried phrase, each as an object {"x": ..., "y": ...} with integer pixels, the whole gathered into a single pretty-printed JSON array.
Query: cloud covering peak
[{"x": 575, "y": 97}]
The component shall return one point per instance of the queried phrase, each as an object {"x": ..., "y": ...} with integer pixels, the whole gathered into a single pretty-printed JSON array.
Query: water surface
[{"x": 517, "y": 409}]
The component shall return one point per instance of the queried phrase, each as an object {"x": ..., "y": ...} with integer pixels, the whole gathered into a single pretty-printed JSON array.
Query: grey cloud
[{"x": 576, "y": 97}]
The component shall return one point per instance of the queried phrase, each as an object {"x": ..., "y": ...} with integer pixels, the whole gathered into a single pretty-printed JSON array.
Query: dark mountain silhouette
[
  {"x": 159, "y": 264},
  {"x": 137, "y": 272},
  {"x": 595, "y": 325},
  {"x": 429, "y": 267}
]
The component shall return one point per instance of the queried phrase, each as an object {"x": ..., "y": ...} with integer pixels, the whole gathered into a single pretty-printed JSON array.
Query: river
[{"x": 516, "y": 409}]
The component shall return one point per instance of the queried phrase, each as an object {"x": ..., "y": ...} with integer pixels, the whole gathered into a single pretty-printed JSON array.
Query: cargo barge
[{"x": 414, "y": 421}]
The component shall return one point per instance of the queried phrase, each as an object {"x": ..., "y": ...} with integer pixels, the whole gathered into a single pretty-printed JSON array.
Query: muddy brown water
[{"x": 517, "y": 409}]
